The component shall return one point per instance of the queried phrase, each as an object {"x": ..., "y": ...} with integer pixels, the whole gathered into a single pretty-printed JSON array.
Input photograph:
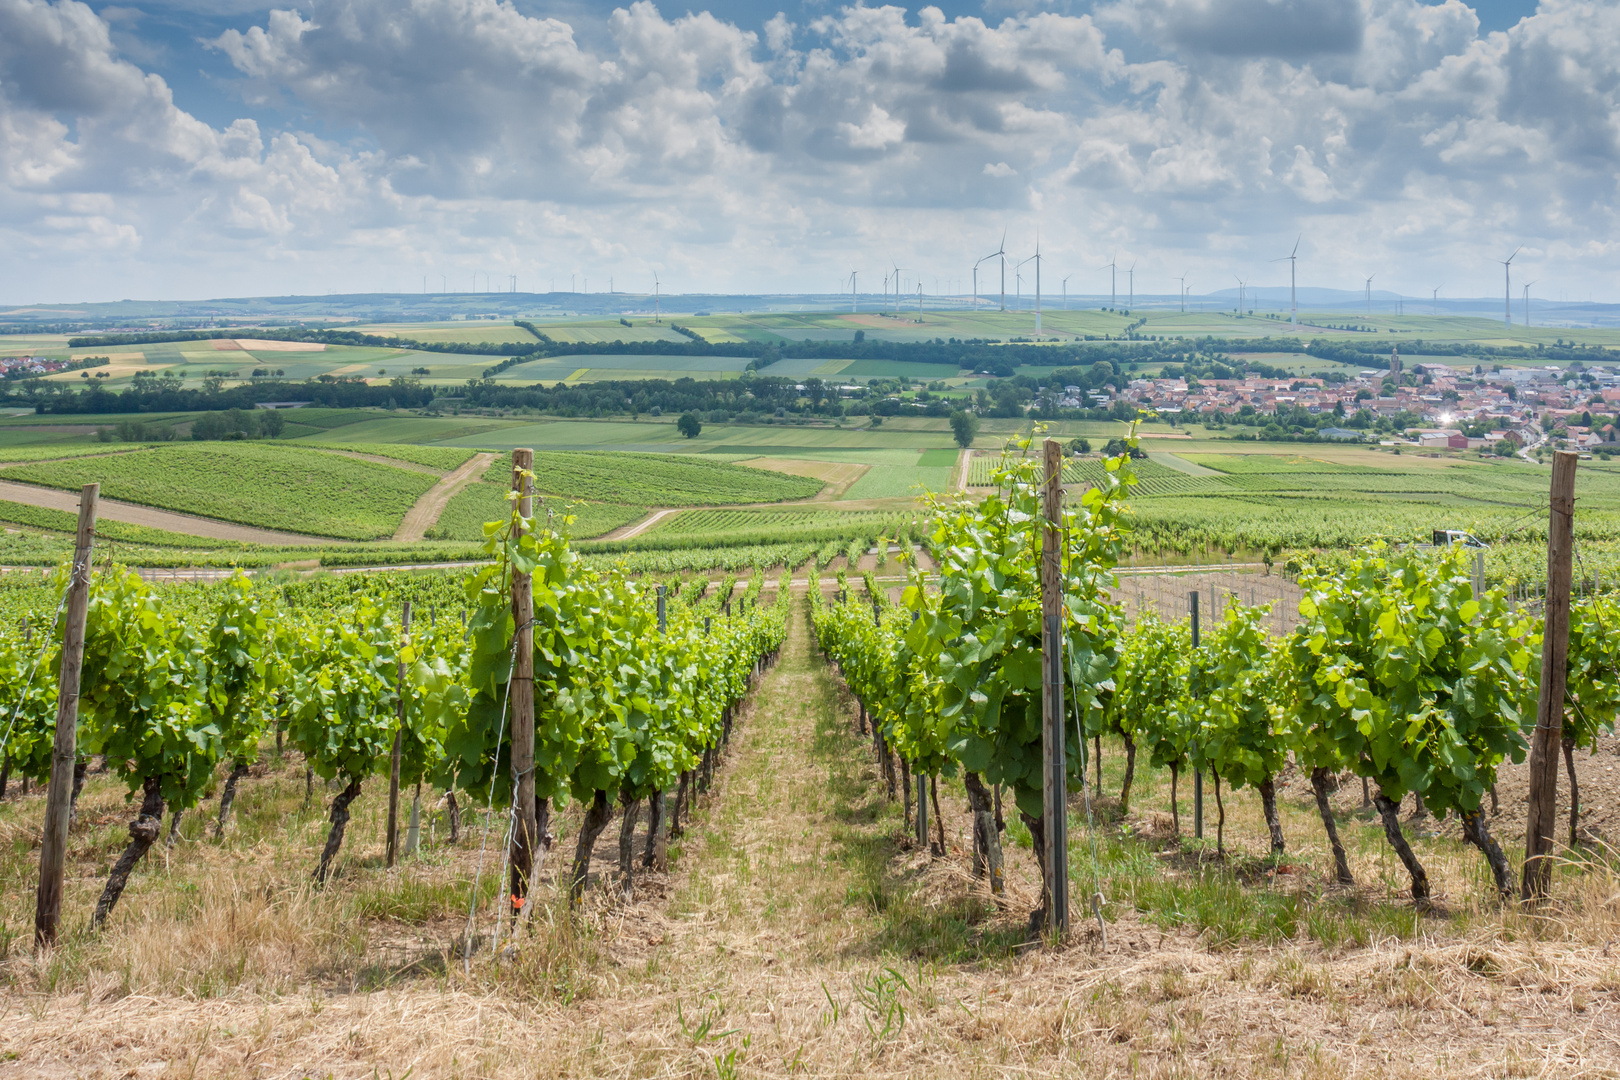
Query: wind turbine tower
[
  {"x": 656, "y": 286},
  {"x": 1130, "y": 277},
  {"x": 1434, "y": 300},
  {"x": 1293, "y": 293},
  {"x": 1066, "y": 292},
  {"x": 1293, "y": 283},
  {"x": 1001, "y": 253},
  {"x": 854, "y": 306},
  {"x": 1241, "y": 286},
  {"x": 1036, "y": 259},
  {"x": 1507, "y": 287},
  {"x": 1369, "y": 294},
  {"x": 1182, "y": 293},
  {"x": 1527, "y": 302},
  {"x": 1113, "y": 281}
]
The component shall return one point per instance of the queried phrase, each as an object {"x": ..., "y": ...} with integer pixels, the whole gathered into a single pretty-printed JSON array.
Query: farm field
[
  {"x": 605, "y": 330},
  {"x": 477, "y": 331},
  {"x": 484, "y": 501},
  {"x": 810, "y": 525},
  {"x": 594, "y": 367},
  {"x": 656, "y": 480},
  {"x": 236, "y": 358},
  {"x": 277, "y": 487}
]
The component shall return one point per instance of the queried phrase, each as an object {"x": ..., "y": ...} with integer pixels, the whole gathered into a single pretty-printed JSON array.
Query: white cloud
[{"x": 473, "y": 136}]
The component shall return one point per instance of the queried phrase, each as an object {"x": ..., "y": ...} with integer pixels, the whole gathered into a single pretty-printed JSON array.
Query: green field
[
  {"x": 656, "y": 480},
  {"x": 485, "y": 500},
  {"x": 479, "y": 331},
  {"x": 272, "y": 486},
  {"x": 195, "y": 361},
  {"x": 730, "y": 528},
  {"x": 595, "y": 367},
  {"x": 444, "y": 458},
  {"x": 1198, "y": 492}
]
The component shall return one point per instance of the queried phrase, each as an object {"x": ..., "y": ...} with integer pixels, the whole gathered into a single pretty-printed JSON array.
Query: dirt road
[
  {"x": 425, "y": 514},
  {"x": 129, "y": 513}
]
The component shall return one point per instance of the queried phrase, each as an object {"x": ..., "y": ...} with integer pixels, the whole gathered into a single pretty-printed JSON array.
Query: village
[{"x": 1436, "y": 405}]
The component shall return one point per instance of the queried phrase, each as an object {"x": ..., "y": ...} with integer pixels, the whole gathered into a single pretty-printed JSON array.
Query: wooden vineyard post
[
  {"x": 1198, "y": 775},
  {"x": 523, "y": 809},
  {"x": 1545, "y": 743},
  {"x": 64, "y": 751},
  {"x": 1054, "y": 756},
  {"x": 399, "y": 744},
  {"x": 922, "y": 809}
]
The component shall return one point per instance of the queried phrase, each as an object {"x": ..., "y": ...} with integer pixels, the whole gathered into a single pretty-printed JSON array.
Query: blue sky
[{"x": 236, "y": 148}]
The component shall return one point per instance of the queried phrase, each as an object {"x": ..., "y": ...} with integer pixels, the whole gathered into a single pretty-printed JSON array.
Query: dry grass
[{"x": 800, "y": 934}]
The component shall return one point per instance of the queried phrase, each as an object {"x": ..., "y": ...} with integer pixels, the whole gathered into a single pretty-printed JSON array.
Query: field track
[
  {"x": 425, "y": 514},
  {"x": 637, "y": 528},
  {"x": 131, "y": 514}
]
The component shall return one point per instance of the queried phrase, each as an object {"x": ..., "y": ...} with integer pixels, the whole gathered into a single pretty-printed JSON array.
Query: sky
[{"x": 184, "y": 149}]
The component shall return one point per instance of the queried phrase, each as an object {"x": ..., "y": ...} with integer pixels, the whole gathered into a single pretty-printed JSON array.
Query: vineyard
[
  {"x": 637, "y": 688},
  {"x": 277, "y": 487},
  {"x": 1285, "y": 508},
  {"x": 657, "y": 480},
  {"x": 725, "y": 528},
  {"x": 1398, "y": 674},
  {"x": 392, "y": 794}
]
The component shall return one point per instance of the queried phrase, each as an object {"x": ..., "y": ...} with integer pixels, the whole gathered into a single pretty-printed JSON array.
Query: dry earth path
[
  {"x": 130, "y": 513},
  {"x": 425, "y": 514}
]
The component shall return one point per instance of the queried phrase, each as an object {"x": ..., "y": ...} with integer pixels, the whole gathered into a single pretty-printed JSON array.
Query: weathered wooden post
[
  {"x": 1054, "y": 754},
  {"x": 1547, "y": 739},
  {"x": 64, "y": 750},
  {"x": 399, "y": 744},
  {"x": 1198, "y": 774},
  {"x": 523, "y": 809}
]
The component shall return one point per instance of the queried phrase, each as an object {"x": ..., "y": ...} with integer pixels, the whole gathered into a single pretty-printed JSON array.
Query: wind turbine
[
  {"x": 854, "y": 305},
  {"x": 1434, "y": 300},
  {"x": 1001, "y": 253},
  {"x": 1036, "y": 259},
  {"x": 1130, "y": 276},
  {"x": 655, "y": 296},
  {"x": 1369, "y": 294},
  {"x": 897, "y": 272},
  {"x": 1113, "y": 281},
  {"x": 1241, "y": 286},
  {"x": 976, "y": 281},
  {"x": 1507, "y": 286},
  {"x": 1066, "y": 292},
  {"x": 1182, "y": 294},
  {"x": 1293, "y": 296},
  {"x": 1527, "y": 302}
]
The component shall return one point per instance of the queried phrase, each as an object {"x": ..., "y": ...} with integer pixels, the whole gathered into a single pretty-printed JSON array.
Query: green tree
[
  {"x": 688, "y": 425},
  {"x": 964, "y": 428}
]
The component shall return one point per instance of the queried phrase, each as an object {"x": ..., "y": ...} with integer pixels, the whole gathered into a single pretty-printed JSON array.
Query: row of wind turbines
[{"x": 1112, "y": 266}]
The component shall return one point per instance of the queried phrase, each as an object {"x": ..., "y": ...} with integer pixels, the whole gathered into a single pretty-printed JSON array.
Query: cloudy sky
[{"x": 195, "y": 148}]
